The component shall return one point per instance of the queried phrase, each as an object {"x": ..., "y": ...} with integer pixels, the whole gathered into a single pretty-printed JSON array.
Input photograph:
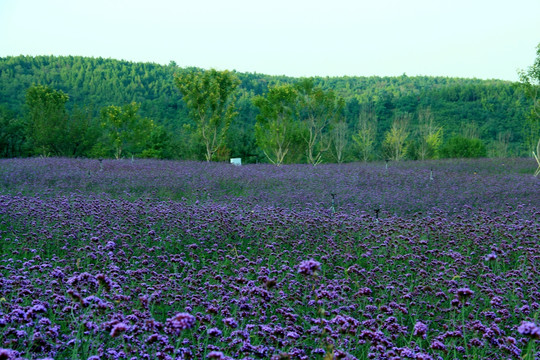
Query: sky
[{"x": 484, "y": 39}]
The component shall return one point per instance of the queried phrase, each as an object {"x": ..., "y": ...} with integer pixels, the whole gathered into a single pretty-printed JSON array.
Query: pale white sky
[{"x": 486, "y": 39}]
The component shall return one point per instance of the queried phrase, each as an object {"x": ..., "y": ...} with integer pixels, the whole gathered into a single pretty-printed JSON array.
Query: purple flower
[
  {"x": 437, "y": 345},
  {"x": 293, "y": 335},
  {"x": 216, "y": 355},
  {"x": 476, "y": 342},
  {"x": 181, "y": 321},
  {"x": 420, "y": 329},
  {"x": 118, "y": 328},
  {"x": 8, "y": 354},
  {"x": 214, "y": 332},
  {"x": 309, "y": 267},
  {"x": 496, "y": 301},
  {"x": 423, "y": 356},
  {"x": 464, "y": 293},
  {"x": 529, "y": 329},
  {"x": 365, "y": 291},
  {"x": 230, "y": 322}
]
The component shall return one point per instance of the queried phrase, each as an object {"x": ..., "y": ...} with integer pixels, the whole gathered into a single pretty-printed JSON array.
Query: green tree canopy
[
  {"x": 12, "y": 134},
  {"x": 47, "y": 119},
  {"x": 125, "y": 132},
  {"x": 319, "y": 109},
  {"x": 276, "y": 122},
  {"x": 366, "y": 132},
  {"x": 395, "y": 138},
  {"x": 209, "y": 96},
  {"x": 462, "y": 147}
]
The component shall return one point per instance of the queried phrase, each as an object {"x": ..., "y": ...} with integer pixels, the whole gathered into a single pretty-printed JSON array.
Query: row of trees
[
  {"x": 296, "y": 118},
  {"x": 49, "y": 129},
  {"x": 310, "y": 118},
  {"x": 258, "y": 118},
  {"x": 314, "y": 115}
]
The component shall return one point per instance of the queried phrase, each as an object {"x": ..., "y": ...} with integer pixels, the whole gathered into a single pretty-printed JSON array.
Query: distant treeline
[{"x": 485, "y": 116}]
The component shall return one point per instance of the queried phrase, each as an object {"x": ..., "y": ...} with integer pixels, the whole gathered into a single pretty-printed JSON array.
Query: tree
[
  {"x": 340, "y": 139},
  {"x": 462, "y": 147},
  {"x": 11, "y": 134},
  {"x": 429, "y": 135},
  {"x": 47, "y": 119},
  {"x": 126, "y": 133},
  {"x": 157, "y": 144},
  {"x": 366, "y": 133},
  {"x": 275, "y": 124},
  {"x": 209, "y": 96},
  {"x": 318, "y": 109},
  {"x": 470, "y": 130},
  {"x": 83, "y": 132},
  {"x": 530, "y": 83},
  {"x": 499, "y": 147},
  {"x": 395, "y": 138}
]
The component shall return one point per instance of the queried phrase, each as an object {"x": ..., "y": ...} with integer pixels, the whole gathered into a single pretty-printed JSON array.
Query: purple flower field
[{"x": 186, "y": 260}]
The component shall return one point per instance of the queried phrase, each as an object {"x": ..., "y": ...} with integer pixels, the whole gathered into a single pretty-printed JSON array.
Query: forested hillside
[{"x": 492, "y": 111}]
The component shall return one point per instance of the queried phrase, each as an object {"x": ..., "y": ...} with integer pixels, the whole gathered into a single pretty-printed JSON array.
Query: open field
[{"x": 165, "y": 260}]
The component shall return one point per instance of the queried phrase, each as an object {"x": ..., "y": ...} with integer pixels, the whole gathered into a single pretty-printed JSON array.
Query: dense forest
[{"x": 101, "y": 91}]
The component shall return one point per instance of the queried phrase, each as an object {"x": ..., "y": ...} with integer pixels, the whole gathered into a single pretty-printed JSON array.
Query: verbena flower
[
  {"x": 230, "y": 322},
  {"x": 529, "y": 329},
  {"x": 216, "y": 355},
  {"x": 420, "y": 329},
  {"x": 309, "y": 267},
  {"x": 181, "y": 321},
  {"x": 438, "y": 345},
  {"x": 118, "y": 329},
  {"x": 214, "y": 332},
  {"x": 464, "y": 293},
  {"x": 8, "y": 354}
]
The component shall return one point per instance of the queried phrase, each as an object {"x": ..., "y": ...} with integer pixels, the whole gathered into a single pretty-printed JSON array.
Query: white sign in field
[{"x": 236, "y": 161}]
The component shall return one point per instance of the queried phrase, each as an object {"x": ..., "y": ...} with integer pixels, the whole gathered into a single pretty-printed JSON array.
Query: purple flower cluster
[
  {"x": 530, "y": 329},
  {"x": 309, "y": 267},
  {"x": 181, "y": 321},
  {"x": 420, "y": 329},
  {"x": 464, "y": 293}
]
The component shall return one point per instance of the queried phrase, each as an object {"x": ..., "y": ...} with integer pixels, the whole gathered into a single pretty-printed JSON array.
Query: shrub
[{"x": 462, "y": 147}]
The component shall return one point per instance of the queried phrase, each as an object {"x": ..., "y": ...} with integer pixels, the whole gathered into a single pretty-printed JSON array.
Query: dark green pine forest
[{"x": 94, "y": 107}]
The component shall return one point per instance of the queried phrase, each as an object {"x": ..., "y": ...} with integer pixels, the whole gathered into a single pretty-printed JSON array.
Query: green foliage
[
  {"x": 12, "y": 134},
  {"x": 126, "y": 133},
  {"x": 500, "y": 148},
  {"x": 158, "y": 145},
  {"x": 395, "y": 138},
  {"x": 429, "y": 135},
  {"x": 276, "y": 123},
  {"x": 339, "y": 140},
  {"x": 433, "y": 142},
  {"x": 366, "y": 133},
  {"x": 47, "y": 124},
  {"x": 209, "y": 95},
  {"x": 94, "y": 83},
  {"x": 83, "y": 133},
  {"x": 462, "y": 147},
  {"x": 319, "y": 110}
]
